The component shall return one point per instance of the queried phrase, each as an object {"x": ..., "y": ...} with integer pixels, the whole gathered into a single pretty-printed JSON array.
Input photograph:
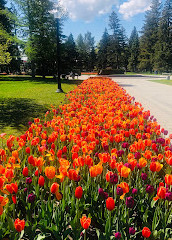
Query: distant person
[{"x": 72, "y": 75}]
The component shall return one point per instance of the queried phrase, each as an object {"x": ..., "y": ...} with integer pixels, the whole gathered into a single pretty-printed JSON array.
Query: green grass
[
  {"x": 142, "y": 73},
  {"x": 22, "y": 99},
  {"x": 163, "y": 81}
]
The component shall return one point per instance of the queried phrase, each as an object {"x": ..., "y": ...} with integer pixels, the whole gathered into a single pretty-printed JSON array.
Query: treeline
[
  {"x": 37, "y": 27},
  {"x": 152, "y": 51}
]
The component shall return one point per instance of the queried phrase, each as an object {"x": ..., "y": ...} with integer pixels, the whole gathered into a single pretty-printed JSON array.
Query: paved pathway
[{"x": 153, "y": 96}]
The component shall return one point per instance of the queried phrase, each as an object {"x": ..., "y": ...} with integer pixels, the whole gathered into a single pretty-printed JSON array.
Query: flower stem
[{"x": 85, "y": 237}]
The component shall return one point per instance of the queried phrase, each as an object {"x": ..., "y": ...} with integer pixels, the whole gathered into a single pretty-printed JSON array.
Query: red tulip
[
  {"x": 78, "y": 192},
  {"x": 146, "y": 232},
  {"x": 110, "y": 203},
  {"x": 19, "y": 225},
  {"x": 41, "y": 181},
  {"x": 25, "y": 171}
]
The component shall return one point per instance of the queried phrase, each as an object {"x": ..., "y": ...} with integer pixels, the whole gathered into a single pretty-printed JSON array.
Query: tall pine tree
[
  {"x": 163, "y": 50},
  {"x": 81, "y": 52},
  {"x": 149, "y": 37},
  {"x": 69, "y": 58},
  {"x": 114, "y": 50},
  {"x": 103, "y": 51},
  {"x": 133, "y": 50}
]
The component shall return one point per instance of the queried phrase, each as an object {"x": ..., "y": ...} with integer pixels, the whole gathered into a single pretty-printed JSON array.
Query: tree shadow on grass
[
  {"x": 38, "y": 80},
  {"x": 17, "y": 112}
]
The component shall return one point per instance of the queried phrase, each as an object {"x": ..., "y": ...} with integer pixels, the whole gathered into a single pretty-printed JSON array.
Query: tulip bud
[
  {"x": 78, "y": 192},
  {"x": 146, "y": 232},
  {"x": 132, "y": 231},
  {"x": 118, "y": 235},
  {"x": 110, "y": 203},
  {"x": 41, "y": 181},
  {"x": 129, "y": 202},
  {"x": 25, "y": 171},
  {"x": 31, "y": 198}
]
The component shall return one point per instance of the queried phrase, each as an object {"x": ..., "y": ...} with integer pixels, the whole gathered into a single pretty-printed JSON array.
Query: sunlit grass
[
  {"x": 24, "y": 98},
  {"x": 163, "y": 81}
]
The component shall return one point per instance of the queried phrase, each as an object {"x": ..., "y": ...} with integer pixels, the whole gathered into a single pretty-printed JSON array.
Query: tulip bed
[{"x": 99, "y": 167}]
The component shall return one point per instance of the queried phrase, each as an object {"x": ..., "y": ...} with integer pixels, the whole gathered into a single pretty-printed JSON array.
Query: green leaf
[
  {"x": 21, "y": 235},
  {"x": 153, "y": 203},
  {"x": 39, "y": 237},
  {"x": 98, "y": 233}
]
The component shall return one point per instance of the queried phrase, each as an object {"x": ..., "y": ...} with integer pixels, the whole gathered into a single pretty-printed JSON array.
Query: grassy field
[
  {"x": 142, "y": 73},
  {"x": 23, "y": 98},
  {"x": 163, "y": 81}
]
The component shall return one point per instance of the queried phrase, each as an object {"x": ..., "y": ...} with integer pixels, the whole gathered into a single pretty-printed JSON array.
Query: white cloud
[
  {"x": 132, "y": 7},
  {"x": 87, "y": 9}
]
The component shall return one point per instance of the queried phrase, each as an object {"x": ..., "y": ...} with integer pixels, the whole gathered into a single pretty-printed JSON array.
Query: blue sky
[{"x": 93, "y": 15}]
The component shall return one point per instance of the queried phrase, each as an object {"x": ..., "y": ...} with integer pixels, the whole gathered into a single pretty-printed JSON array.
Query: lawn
[
  {"x": 142, "y": 73},
  {"x": 163, "y": 81},
  {"x": 23, "y": 98}
]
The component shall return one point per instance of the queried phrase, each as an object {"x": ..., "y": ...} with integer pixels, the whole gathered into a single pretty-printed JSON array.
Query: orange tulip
[
  {"x": 3, "y": 202},
  {"x": 160, "y": 193},
  {"x": 50, "y": 172},
  {"x": 85, "y": 222},
  {"x": 125, "y": 171},
  {"x": 168, "y": 179},
  {"x": 124, "y": 187},
  {"x": 142, "y": 162}
]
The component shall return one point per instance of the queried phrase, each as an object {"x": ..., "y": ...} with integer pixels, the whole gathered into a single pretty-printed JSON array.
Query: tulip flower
[
  {"x": 25, "y": 171},
  {"x": 85, "y": 222},
  {"x": 130, "y": 202},
  {"x": 110, "y": 203},
  {"x": 41, "y": 181},
  {"x": 50, "y": 172},
  {"x": 118, "y": 235},
  {"x": 19, "y": 225},
  {"x": 146, "y": 232},
  {"x": 78, "y": 192}
]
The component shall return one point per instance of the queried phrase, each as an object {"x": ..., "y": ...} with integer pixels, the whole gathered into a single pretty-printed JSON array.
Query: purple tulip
[
  {"x": 114, "y": 178},
  {"x": 29, "y": 123},
  {"x": 149, "y": 189},
  {"x": 165, "y": 132},
  {"x": 120, "y": 153},
  {"x": 129, "y": 202},
  {"x": 31, "y": 197},
  {"x": 105, "y": 195},
  {"x": 168, "y": 196},
  {"x": 118, "y": 235},
  {"x": 125, "y": 145},
  {"x": 134, "y": 191},
  {"x": 101, "y": 192},
  {"x": 28, "y": 180},
  {"x": 137, "y": 155},
  {"x": 119, "y": 191},
  {"x": 138, "y": 166},
  {"x": 106, "y": 148},
  {"x": 127, "y": 165},
  {"x": 144, "y": 176},
  {"x": 132, "y": 231}
]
